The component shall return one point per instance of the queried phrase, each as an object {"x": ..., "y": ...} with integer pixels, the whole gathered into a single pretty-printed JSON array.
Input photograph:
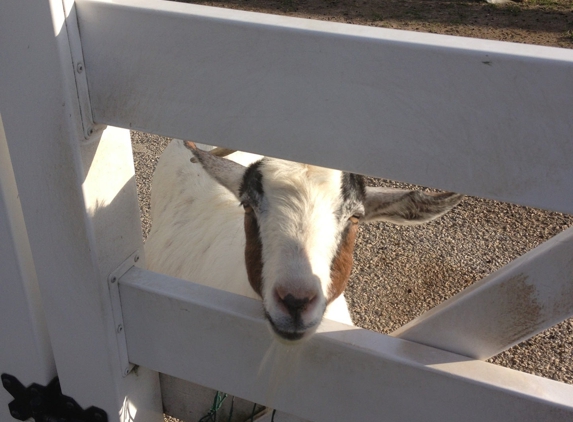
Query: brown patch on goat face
[
  {"x": 342, "y": 263},
  {"x": 253, "y": 252}
]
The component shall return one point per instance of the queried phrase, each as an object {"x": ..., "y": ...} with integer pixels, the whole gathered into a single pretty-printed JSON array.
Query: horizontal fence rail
[
  {"x": 343, "y": 373},
  {"x": 480, "y": 117}
]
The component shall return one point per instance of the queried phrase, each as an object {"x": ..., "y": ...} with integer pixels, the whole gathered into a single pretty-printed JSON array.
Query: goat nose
[{"x": 295, "y": 304}]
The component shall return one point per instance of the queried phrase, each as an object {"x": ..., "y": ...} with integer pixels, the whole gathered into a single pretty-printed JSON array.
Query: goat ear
[
  {"x": 226, "y": 172},
  {"x": 406, "y": 207}
]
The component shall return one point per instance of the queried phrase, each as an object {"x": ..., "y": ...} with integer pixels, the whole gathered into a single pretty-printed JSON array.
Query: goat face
[
  {"x": 299, "y": 239},
  {"x": 300, "y": 225}
]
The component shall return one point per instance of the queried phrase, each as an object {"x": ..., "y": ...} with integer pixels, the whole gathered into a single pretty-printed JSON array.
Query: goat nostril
[{"x": 294, "y": 303}]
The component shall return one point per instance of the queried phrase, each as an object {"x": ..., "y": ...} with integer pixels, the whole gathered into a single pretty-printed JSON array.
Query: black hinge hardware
[{"x": 47, "y": 403}]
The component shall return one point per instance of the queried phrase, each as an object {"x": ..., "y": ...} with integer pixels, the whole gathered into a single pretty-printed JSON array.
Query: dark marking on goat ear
[
  {"x": 251, "y": 189},
  {"x": 353, "y": 192},
  {"x": 353, "y": 187},
  {"x": 253, "y": 252},
  {"x": 252, "y": 179},
  {"x": 342, "y": 263}
]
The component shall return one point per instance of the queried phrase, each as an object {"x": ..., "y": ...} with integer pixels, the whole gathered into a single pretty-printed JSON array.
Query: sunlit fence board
[
  {"x": 221, "y": 340},
  {"x": 26, "y": 351},
  {"x": 487, "y": 118},
  {"x": 80, "y": 221}
]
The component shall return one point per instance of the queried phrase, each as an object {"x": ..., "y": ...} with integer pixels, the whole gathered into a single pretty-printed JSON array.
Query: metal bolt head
[
  {"x": 119, "y": 328},
  {"x": 113, "y": 279},
  {"x": 136, "y": 258},
  {"x": 70, "y": 405},
  {"x": 90, "y": 131},
  {"x": 80, "y": 67}
]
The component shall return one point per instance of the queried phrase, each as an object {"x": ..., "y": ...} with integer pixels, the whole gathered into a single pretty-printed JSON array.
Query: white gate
[{"x": 484, "y": 118}]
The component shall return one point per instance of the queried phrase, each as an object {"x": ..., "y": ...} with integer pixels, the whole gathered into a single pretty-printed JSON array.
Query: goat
[{"x": 292, "y": 242}]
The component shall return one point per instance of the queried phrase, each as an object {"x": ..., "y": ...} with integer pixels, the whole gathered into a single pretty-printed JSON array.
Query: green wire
[
  {"x": 231, "y": 411},
  {"x": 211, "y": 416},
  {"x": 217, "y": 403}
]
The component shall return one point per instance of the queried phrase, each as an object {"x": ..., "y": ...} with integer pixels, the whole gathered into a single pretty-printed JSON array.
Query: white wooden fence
[{"x": 480, "y": 117}]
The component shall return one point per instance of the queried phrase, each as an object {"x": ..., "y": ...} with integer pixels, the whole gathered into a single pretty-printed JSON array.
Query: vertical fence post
[
  {"x": 26, "y": 352},
  {"x": 80, "y": 209}
]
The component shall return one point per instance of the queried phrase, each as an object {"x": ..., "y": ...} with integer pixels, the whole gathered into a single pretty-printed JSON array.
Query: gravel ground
[{"x": 401, "y": 272}]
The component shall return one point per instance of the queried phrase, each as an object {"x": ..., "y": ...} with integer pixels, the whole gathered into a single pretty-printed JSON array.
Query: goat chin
[
  {"x": 293, "y": 342},
  {"x": 336, "y": 311},
  {"x": 198, "y": 231}
]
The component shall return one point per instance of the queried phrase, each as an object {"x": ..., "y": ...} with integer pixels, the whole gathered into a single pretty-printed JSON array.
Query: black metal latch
[{"x": 47, "y": 404}]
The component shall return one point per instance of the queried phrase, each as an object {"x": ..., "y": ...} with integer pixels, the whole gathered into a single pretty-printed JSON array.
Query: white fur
[{"x": 198, "y": 233}]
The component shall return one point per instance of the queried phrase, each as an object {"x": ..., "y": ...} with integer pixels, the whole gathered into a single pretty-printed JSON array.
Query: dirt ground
[
  {"x": 542, "y": 22},
  {"x": 422, "y": 266}
]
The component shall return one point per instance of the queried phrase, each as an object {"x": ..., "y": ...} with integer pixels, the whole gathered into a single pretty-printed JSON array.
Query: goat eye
[
  {"x": 355, "y": 219},
  {"x": 248, "y": 209}
]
